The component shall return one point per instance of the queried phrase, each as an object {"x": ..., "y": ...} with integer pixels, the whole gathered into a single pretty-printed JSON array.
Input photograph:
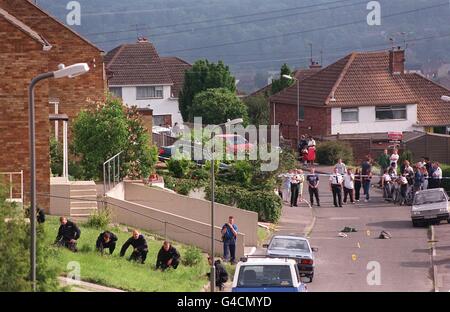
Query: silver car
[
  {"x": 430, "y": 206},
  {"x": 293, "y": 247}
]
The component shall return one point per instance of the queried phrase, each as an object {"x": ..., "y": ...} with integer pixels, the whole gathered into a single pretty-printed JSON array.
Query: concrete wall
[
  {"x": 177, "y": 228},
  {"x": 60, "y": 198},
  {"x": 196, "y": 209},
  {"x": 368, "y": 124}
]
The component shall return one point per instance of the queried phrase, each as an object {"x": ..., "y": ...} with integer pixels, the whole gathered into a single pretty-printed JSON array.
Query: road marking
[
  {"x": 359, "y": 246},
  {"x": 354, "y": 257},
  {"x": 368, "y": 232}
]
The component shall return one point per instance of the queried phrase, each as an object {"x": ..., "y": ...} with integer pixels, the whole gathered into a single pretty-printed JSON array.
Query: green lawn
[{"x": 117, "y": 272}]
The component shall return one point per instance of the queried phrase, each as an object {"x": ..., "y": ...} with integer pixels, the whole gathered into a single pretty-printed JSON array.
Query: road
[{"x": 404, "y": 261}]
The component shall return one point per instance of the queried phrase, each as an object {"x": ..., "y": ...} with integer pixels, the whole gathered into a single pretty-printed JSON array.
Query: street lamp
[
  {"x": 298, "y": 103},
  {"x": 212, "y": 275},
  {"x": 70, "y": 71},
  {"x": 445, "y": 98}
]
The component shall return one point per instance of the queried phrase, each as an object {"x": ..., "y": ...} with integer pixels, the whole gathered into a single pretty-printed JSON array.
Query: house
[
  {"x": 34, "y": 42},
  {"x": 362, "y": 93},
  {"x": 141, "y": 77}
]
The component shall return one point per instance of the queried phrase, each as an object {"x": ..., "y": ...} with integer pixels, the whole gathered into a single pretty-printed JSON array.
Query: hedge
[
  {"x": 446, "y": 173},
  {"x": 267, "y": 204},
  {"x": 329, "y": 152}
]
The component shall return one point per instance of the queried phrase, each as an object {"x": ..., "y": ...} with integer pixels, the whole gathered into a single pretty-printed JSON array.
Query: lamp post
[
  {"x": 70, "y": 71},
  {"x": 212, "y": 275},
  {"x": 298, "y": 104}
]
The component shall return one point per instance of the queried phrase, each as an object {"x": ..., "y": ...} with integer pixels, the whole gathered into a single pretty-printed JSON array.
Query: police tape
[{"x": 356, "y": 175}]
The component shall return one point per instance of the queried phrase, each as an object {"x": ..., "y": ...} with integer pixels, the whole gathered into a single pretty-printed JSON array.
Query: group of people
[
  {"x": 307, "y": 150},
  {"x": 408, "y": 179},
  {"x": 291, "y": 190},
  {"x": 69, "y": 233}
]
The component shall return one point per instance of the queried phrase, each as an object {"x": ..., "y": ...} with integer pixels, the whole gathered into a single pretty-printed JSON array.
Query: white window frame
[
  {"x": 350, "y": 110},
  {"x": 150, "y": 89},
  {"x": 392, "y": 108}
]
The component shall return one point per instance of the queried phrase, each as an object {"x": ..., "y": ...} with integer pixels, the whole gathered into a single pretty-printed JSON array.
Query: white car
[
  {"x": 430, "y": 206},
  {"x": 262, "y": 274}
]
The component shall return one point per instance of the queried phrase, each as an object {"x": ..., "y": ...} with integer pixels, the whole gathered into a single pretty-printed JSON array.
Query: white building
[{"x": 141, "y": 77}]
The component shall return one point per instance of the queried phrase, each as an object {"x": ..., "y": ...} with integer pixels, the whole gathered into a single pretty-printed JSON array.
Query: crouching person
[
  {"x": 168, "y": 257},
  {"x": 139, "y": 244},
  {"x": 106, "y": 240},
  {"x": 68, "y": 234},
  {"x": 221, "y": 273}
]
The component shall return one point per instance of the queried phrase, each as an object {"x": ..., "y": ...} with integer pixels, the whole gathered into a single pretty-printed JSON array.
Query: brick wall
[
  {"x": 22, "y": 58},
  {"x": 68, "y": 48},
  {"x": 317, "y": 120}
]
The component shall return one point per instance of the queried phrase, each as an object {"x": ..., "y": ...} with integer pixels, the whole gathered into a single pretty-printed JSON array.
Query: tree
[
  {"x": 282, "y": 83},
  {"x": 258, "y": 109},
  {"x": 56, "y": 157},
  {"x": 215, "y": 106},
  {"x": 202, "y": 76},
  {"x": 15, "y": 252},
  {"x": 106, "y": 130}
]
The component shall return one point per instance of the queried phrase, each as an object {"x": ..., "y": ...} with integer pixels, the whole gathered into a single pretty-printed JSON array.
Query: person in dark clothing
[
  {"x": 229, "y": 236},
  {"x": 168, "y": 257},
  {"x": 358, "y": 184},
  {"x": 336, "y": 181},
  {"x": 140, "y": 247},
  {"x": 313, "y": 186},
  {"x": 40, "y": 214},
  {"x": 106, "y": 240},
  {"x": 68, "y": 233},
  {"x": 221, "y": 273}
]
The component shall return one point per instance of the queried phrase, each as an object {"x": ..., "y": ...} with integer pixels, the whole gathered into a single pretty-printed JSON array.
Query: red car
[{"x": 235, "y": 143}]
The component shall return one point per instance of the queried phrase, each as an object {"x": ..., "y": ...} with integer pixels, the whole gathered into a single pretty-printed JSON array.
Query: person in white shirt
[
  {"x": 436, "y": 176},
  {"x": 311, "y": 142},
  {"x": 341, "y": 167},
  {"x": 349, "y": 186},
  {"x": 394, "y": 159},
  {"x": 386, "y": 184},
  {"x": 336, "y": 187},
  {"x": 286, "y": 185}
]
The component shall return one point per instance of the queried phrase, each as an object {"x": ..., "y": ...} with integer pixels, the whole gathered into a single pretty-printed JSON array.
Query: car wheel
[
  {"x": 448, "y": 220},
  {"x": 415, "y": 223},
  {"x": 311, "y": 278}
]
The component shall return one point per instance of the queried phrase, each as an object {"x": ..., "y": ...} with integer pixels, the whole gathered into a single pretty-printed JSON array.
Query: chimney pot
[{"x": 397, "y": 61}]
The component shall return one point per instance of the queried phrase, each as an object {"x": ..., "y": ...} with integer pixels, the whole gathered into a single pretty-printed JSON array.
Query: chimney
[
  {"x": 315, "y": 65},
  {"x": 397, "y": 61}
]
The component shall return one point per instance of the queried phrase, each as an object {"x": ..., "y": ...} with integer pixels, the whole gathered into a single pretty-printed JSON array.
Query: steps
[{"x": 83, "y": 196}]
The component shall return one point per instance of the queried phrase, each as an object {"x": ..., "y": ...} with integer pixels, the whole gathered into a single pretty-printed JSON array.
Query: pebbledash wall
[
  {"x": 367, "y": 122},
  {"x": 22, "y": 58},
  {"x": 162, "y": 106}
]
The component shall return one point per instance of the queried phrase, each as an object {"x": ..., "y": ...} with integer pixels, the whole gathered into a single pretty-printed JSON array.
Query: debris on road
[
  {"x": 342, "y": 234},
  {"x": 385, "y": 235},
  {"x": 348, "y": 229}
]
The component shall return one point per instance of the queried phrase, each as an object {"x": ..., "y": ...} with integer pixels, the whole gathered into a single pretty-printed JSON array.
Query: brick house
[
  {"x": 363, "y": 93},
  {"x": 33, "y": 42},
  {"x": 138, "y": 75}
]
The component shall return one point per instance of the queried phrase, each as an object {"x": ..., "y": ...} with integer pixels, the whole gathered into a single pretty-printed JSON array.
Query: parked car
[
  {"x": 430, "y": 206},
  {"x": 263, "y": 274},
  {"x": 294, "y": 247},
  {"x": 235, "y": 143}
]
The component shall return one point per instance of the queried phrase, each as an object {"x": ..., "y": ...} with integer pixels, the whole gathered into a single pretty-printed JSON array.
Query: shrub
[
  {"x": 266, "y": 203},
  {"x": 200, "y": 174},
  {"x": 242, "y": 172},
  {"x": 192, "y": 256},
  {"x": 183, "y": 187},
  {"x": 329, "y": 152},
  {"x": 406, "y": 155},
  {"x": 179, "y": 168},
  {"x": 56, "y": 157},
  {"x": 446, "y": 173},
  {"x": 99, "y": 219}
]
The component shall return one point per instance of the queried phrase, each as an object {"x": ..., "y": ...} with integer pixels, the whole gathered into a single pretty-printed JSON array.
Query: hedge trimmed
[
  {"x": 267, "y": 204},
  {"x": 329, "y": 152}
]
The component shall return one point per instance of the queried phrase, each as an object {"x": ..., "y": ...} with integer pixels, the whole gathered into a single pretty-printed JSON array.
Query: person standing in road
[
  {"x": 358, "y": 184},
  {"x": 384, "y": 162},
  {"x": 349, "y": 186},
  {"x": 313, "y": 186},
  {"x": 336, "y": 187},
  {"x": 341, "y": 167},
  {"x": 436, "y": 176},
  {"x": 229, "y": 237},
  {"x": 418, "y": 179},
  {"x": 301, "y": 179},
  {"x": 367, "y": 180},
  {"x": 295, "y": 187}
]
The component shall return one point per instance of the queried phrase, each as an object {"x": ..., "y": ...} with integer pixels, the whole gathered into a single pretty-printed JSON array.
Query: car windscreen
[
  {"x": 423, "y": 198},
  {"x": 265, "y": 276},
  {"x": 288, "y": 243}
]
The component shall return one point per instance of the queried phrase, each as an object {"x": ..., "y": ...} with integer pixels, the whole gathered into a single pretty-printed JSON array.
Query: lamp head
[{"x": 71, "y": 71}]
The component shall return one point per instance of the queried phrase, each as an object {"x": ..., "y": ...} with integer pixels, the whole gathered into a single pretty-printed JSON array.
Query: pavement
[
  {"x": 81, "y": 286},
  {"x": 361, "y": 261},
  {"x": 441, "y": 257}
]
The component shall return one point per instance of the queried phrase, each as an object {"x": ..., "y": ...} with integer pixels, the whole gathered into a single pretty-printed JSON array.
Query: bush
[
  {"x": 99, "y": 219},
  {"x": 56, "y": 157},
  {"x": 242, "y": 172},
  {"x": 406, "y": 155},
  {"x": 266, "y": 203},
  {"x": 179, "y": 168},
  {"x": 192, "y": 256},
  {"x": 446, "y": 173},
  {"x": 183, "y": 187},
  {"x": 329, "y": 152},
  {"x": 200, "y": 174}
]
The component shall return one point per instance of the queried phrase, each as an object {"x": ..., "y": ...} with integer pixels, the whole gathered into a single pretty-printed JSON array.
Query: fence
[
  {"x": 114, "y": 163},
  {"x": 434, "y": 146},
  {"x": 14, "y": 194},
  {"x": 160, "y": 139}
]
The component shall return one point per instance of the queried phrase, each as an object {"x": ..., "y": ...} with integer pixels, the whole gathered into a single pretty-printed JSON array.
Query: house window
[
  {"x": 162, "y": 120},
  {"x": 390, "y": 112},
  {"x": 143, "y": 93},
  {"x": 301, "y": 113},
  {"x": 349, "y": 114},
  {"x": 116, "y": 91}
]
